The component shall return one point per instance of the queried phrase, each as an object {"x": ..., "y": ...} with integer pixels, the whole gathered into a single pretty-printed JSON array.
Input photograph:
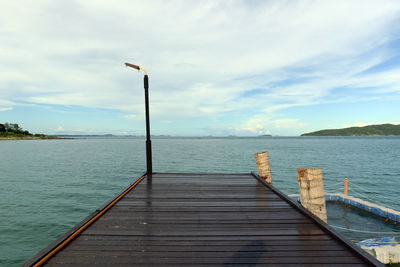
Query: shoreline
[{"x": 33, "y": 138}]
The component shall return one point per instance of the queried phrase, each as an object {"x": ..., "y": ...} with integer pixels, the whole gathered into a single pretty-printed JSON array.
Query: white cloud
[
  {"x": 202, "y": 56},
  {"x": 60, "y": 129},
  {"x": 360, "y": 124},
  {"x": 134, "y": 117},
  {"x": 6, "y": 105},
  {"x": 5, "y": 108},
  {"x": 251, "y": 130},
  {"x": 263, "y": 124}
]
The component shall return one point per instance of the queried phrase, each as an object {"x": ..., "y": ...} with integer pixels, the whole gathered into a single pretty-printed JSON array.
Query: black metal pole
[{"x": 148, "y": 141}]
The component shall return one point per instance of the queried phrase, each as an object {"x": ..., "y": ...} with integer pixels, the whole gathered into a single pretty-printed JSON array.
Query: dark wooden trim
[
  {"x": 42, "y": 253},
  {"x": 365, "y": 256}
]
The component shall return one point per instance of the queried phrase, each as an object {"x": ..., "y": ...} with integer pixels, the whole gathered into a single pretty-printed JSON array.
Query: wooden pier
[{"x": 178, "y": 219}]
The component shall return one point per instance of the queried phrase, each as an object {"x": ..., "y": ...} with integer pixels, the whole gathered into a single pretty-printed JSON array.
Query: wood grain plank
[
  {"x": 200, "y": 232},
  {"x": 204, "y": 244},
  {"x": 209, "y": 238},
  {"x": 204, "y": 219},
  {"x": 99, "y": 264},
  {"x": 329, "y": 250},
  {"x": 228, "y": 259}
]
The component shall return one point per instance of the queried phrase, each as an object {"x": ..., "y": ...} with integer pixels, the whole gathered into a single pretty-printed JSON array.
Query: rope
[
  {"x": 386, "y": 243},
  {"x": 392, "y": 199},
  {"x": 363, "y": 231},
  {"x": 330, "y": 192},
  {"x": 328, "y": 189},
  {"x": 360, "y": 194},
  {"x": 331, "y": 185},
  {"x": 384, "y": 196},
  {"x": 366, "y": 197}
]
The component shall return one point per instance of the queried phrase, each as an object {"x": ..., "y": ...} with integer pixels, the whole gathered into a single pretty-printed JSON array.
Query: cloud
[
  {"x": 5, "y": 109},
  {"x": 202, "y": 57},
  {"x": 263, "y": 124},
  {"x": 6, "y": 105},
  {"x": 60, "y": 129},
  {"x": 360, "y": 124},
  {"x": 134, "y": 117},
  {"x": 253, "y": 130}
]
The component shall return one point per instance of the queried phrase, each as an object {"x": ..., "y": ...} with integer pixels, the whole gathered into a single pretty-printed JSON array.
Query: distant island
[
  {"x": 12, "y": 131},
  {"x": 370, "y": 130}
]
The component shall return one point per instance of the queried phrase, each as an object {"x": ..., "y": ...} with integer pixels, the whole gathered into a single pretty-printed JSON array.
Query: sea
[{"x": 48, "y": 186}]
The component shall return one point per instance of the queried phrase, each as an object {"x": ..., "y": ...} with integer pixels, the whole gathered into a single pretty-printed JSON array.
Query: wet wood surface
[{"x": 197, "y": 220}]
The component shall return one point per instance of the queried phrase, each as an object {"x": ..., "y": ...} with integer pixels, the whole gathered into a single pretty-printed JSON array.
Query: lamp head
[
  {"x": 136, "y": 67},
  {"x": 132, "y": 66}
]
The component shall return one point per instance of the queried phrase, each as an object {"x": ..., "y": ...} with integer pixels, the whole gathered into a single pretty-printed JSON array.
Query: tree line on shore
[
  {"x": 386, "y": 129},
  {"x": 13, "y": 129}
]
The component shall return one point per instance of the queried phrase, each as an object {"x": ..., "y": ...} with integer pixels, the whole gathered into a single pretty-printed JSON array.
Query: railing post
[
  {"x": 312, "y": 195},
  {"x": 346, "y": 186},
  {"x": 264, "y": 170}
]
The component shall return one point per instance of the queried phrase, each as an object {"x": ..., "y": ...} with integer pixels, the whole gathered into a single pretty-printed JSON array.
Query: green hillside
[
  {"x": 10, "y": 131},
  {"x": 370, "y": 130}
]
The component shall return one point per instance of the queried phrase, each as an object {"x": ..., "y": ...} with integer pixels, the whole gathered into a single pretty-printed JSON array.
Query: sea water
[{"x": 47, "y": 186}]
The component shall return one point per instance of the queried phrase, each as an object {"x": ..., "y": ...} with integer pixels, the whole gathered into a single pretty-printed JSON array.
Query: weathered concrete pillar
[
  {"x": 312, "y": 195},
  {"x": 264, "y": 170}
]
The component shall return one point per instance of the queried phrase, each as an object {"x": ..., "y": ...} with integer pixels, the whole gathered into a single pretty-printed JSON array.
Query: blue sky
[{"x": 215, "y": 67}]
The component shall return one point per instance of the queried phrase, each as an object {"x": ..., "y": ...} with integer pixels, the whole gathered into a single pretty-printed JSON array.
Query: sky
[{"x": 217, "y": 68}]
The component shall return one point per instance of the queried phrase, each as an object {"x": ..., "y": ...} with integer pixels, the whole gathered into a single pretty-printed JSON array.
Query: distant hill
[
  {"x": 85, "y": 135},
  {"x": 370, "y": 130}
]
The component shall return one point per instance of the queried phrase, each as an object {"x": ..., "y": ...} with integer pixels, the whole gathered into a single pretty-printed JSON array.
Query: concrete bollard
[
  {"x": 264, "y": 170},
  {"x": 312, "y": 195}
]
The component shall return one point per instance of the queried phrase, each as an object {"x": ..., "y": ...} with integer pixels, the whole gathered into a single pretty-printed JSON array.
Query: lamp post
[{"x": 146, "y": 96}]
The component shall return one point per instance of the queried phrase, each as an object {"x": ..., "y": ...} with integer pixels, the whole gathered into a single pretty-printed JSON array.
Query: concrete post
[
  {"x": 312, "y": 195},
  {"x": 264, "y": 170}
]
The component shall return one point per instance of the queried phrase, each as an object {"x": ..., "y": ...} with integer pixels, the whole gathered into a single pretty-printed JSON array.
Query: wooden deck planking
[{"x": 206, "y": 219}]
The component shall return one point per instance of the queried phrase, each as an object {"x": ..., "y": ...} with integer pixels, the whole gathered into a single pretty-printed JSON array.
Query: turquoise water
[
  {"x": 47, "y": 186},
  {"x": 358, "y": 225}
]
